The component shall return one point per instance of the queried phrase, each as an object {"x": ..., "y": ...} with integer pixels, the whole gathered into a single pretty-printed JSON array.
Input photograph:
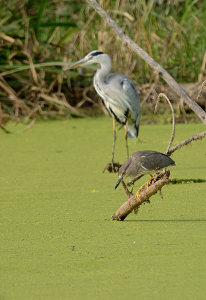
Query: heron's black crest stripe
[{"x": 96, "y": 53}]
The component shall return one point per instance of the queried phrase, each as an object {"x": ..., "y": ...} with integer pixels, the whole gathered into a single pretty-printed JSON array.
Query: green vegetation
[
  {"x": 57, "y": 237},
  {"x": 38, "y": 39}
]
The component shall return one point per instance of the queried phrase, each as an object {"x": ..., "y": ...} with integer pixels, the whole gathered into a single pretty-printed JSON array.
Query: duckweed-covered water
[{"x": 57, "y": 237}]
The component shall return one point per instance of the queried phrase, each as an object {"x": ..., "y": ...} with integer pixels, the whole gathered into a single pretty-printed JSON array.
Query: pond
[{"x": 57, "y": 237}]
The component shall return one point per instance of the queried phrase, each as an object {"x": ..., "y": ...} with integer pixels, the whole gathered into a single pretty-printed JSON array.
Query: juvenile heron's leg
[
  {"x": 132, "y": 188},
  {"x": 139, "y": 190},
  {"x": 114, "y": 140},
  {"x": 148, "y": 181},
  {"x": 125, "y": 137},
  {"x": 147, "y": 186}
]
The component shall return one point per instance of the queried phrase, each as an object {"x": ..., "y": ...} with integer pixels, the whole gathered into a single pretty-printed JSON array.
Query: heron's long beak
[
  {"x": 77, "y": 64},
  {"x": 118, "y": 182}
]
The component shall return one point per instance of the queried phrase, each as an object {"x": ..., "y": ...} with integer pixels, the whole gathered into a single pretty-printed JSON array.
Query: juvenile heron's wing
[{"x": 152, "y": 160}]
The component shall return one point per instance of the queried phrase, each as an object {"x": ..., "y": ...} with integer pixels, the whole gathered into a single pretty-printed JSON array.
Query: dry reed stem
[
  {"x": 202, "y": 69},
  {"x": 7, "y": 38},
  {"x": 55, "y": 100}
]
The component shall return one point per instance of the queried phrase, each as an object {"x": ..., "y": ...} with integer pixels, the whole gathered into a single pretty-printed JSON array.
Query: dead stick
[
  {"x": 196, "y": 137},
  {"x": 146, "y": 57},
  {"x": 134, "y": 202}
]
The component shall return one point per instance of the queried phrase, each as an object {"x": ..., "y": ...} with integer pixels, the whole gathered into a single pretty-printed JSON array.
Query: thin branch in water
[
  {"x": 173, "y": 118},
  {"x": 196, "y": 137}
]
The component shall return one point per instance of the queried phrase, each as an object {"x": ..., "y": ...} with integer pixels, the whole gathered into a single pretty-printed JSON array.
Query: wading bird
[
  {"x": 141, "y": 163},
  {"x": 118, "y": 93}
]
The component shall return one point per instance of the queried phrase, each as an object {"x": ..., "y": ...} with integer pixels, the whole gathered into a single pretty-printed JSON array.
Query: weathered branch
[
  {"x": 134, "y": 202},
  {"x": 198, "y": 136},
  {"x": 146, "y": 57}
]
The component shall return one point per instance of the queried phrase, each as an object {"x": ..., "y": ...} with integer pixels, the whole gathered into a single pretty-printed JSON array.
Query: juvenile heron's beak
[
  {"x": 118, "y": 182},
  {"x": 77, "y": 64}
]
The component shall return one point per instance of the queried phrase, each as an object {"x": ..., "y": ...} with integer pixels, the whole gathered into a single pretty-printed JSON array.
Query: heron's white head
[{"x": 95, "y": 56}]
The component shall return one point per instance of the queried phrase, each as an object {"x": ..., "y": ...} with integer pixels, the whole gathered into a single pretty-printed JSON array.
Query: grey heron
[
  {"x": 118, "y": 93},
  {"x": 141, "y": 163}
]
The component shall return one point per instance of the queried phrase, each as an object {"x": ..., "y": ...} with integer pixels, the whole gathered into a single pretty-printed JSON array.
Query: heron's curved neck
[{"x": 104, "y": 70}]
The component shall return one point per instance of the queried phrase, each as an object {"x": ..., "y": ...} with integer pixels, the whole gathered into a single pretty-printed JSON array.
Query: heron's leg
[
  {"x": 125, "y": 137},
  {"x": 132, "y": 188},
  {"x": 114, "y": 140}
]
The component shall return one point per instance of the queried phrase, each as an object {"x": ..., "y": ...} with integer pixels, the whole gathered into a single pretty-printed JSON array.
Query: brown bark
[
  {"x": 134, "y": 202},
  {"x": 146, "y": 57}
]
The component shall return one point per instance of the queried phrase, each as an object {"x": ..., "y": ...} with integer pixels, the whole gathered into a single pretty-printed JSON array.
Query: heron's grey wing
[{"x": 124, "y": 95}]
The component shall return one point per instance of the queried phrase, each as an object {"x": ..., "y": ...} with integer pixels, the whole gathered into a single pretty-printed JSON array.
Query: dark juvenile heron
[
  {"x": 118, "y": 93},
  {"x": 141, "y": 163}
]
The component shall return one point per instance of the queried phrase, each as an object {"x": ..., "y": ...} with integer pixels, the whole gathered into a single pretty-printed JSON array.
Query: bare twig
[
  {"x": 134, "y": 202},
  {"x": 145, "y": 56},
  {"x": 173, "y": 119},
  {"x": 196, "y": 137}
]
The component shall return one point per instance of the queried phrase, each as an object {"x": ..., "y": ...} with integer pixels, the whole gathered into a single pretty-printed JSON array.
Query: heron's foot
[
  {"x": 148, "y": 183},
  {"x": 138, "y": 192},
  {"x": 129, "y": 183},
  {"x": 112, "y": 167}
]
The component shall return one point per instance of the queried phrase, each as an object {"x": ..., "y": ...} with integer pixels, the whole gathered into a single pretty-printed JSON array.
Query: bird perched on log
[
  {"x": 141, "y": 163},
  {"x": 118, "y": 93}
]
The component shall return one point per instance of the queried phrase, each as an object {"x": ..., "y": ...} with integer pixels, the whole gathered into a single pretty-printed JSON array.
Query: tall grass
[{"x": 38, "y": 38}]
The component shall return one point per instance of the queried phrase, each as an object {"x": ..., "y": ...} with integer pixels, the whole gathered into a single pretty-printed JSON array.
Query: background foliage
[{"x": 38, "y": 38}]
